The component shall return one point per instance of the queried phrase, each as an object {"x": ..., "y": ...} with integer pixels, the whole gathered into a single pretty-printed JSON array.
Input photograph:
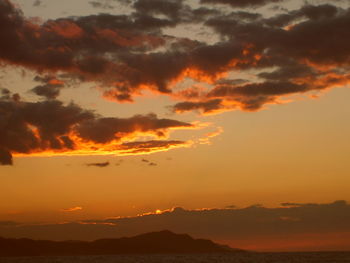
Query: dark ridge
[{"x": 163, "y": 242}]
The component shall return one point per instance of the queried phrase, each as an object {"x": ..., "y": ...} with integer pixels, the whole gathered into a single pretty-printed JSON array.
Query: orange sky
[{"x": 193, "y": 122}]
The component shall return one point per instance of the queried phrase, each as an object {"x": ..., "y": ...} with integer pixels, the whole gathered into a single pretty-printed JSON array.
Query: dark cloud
[
  {"x": 241, "y": 3},
  {"x": 50, "y": 87},
  {"x": 104, "y": 5},
  {"x": 5, "y": 157},
  {"x": 37, "y": 3},
  {"x": 101, "y": 165},
  {"x": 319, "y": 12},
  {"x": 248, "y": 97},
  {"x": 238, "y": 226},
  {"x": 104, "y": 130},
  {"x": 205, "y": 106},
  {"x": 128, "y": 53},
  {"x": 310, "y": 12},
  {"x": 290, "y": 70},
  {"x": 170, "y": 8},
  {"x": 149, "y": 162},
  {"x": 203, "y": 13},
  {"x": 108, "y": 4},
  {"x": 257, "y": 89},
  {"x": 306, "y": 56},
  {"x": 28, "y": 126},
  {"x": 79, "y": 46},
  {"x": 34, "y": 127},
  {"x": 315, "y": 39}
]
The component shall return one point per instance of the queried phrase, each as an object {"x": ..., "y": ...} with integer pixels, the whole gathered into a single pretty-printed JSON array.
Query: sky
[{"x": 223, "y": 119}]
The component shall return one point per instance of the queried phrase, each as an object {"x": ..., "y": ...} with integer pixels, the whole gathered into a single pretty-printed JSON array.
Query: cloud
[
  {"x": 310, "y": 12},
  {"x": 104, "y": 5},
  {"x": 103, "y": 130},
  {"x": 5, "y": 157},
  {"x": 78, "y": 46},
  {"x": 207, "y": 106},
  {"x": 296, "y": 52},
  {"x": 108, "y": 4},
  {"x": 72, "y": 209},
  {"x": 291, "y": 57},
  {"x": 241, "y": 3},
  {"x": 207, "y": 137},
  {"x": 8, "y": 223},
  {"x": 134, "y": 148},
  {"x": 148, "y": 162},
  {"x": 168, "y": 8},
  {"x": 241, "y": 227},
  {"x": 50, "y": 89},
  {"x": 37, "y": 3},
  {"x": 28, "y": 129},
  {"x": 127, "y": 54},
  {"x": 101, "y": 165}
]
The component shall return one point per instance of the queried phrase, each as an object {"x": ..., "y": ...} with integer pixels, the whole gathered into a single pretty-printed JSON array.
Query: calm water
[{"x": 324, "y": 257}]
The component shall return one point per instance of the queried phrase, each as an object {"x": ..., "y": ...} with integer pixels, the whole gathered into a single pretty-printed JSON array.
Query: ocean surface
[{"x": 310, "y": 257}]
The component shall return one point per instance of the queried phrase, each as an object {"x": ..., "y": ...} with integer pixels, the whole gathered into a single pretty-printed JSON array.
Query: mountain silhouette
[{"x": 163, "y": 242}]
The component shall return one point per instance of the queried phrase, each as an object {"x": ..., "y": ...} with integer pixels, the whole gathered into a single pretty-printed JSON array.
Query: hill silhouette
[{"x": 163, "y": 242}]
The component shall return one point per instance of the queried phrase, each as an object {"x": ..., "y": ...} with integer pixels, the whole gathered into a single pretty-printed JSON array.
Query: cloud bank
[{"x": 321, "y": 225}]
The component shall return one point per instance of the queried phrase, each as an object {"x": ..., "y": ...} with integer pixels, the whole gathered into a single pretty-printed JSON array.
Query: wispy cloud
[
  {"x": 72, "y": 209},
  {"x": 101, "y": 165}
]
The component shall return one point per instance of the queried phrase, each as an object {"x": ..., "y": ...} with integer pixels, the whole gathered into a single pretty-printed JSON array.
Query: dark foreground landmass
[
  {"x": 164, "y": 242},
  {"x": 302, "y": 257}
]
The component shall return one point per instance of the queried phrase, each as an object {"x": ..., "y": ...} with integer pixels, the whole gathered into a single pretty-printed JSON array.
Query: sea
[{"x": 295, "y": 257}]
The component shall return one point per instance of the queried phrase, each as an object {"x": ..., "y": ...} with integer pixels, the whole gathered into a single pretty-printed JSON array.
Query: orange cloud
[
  {"x": 207, "y": 137},
  {"x": 30, "y": 131},
  {"x": 72, "y": 209},
  {"x": 66, "y": 29},
  {"x": 112, "y": 149}
]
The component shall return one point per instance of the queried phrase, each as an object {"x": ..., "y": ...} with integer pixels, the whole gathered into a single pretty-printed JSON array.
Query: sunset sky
[{"x": 224, "y": 119}]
